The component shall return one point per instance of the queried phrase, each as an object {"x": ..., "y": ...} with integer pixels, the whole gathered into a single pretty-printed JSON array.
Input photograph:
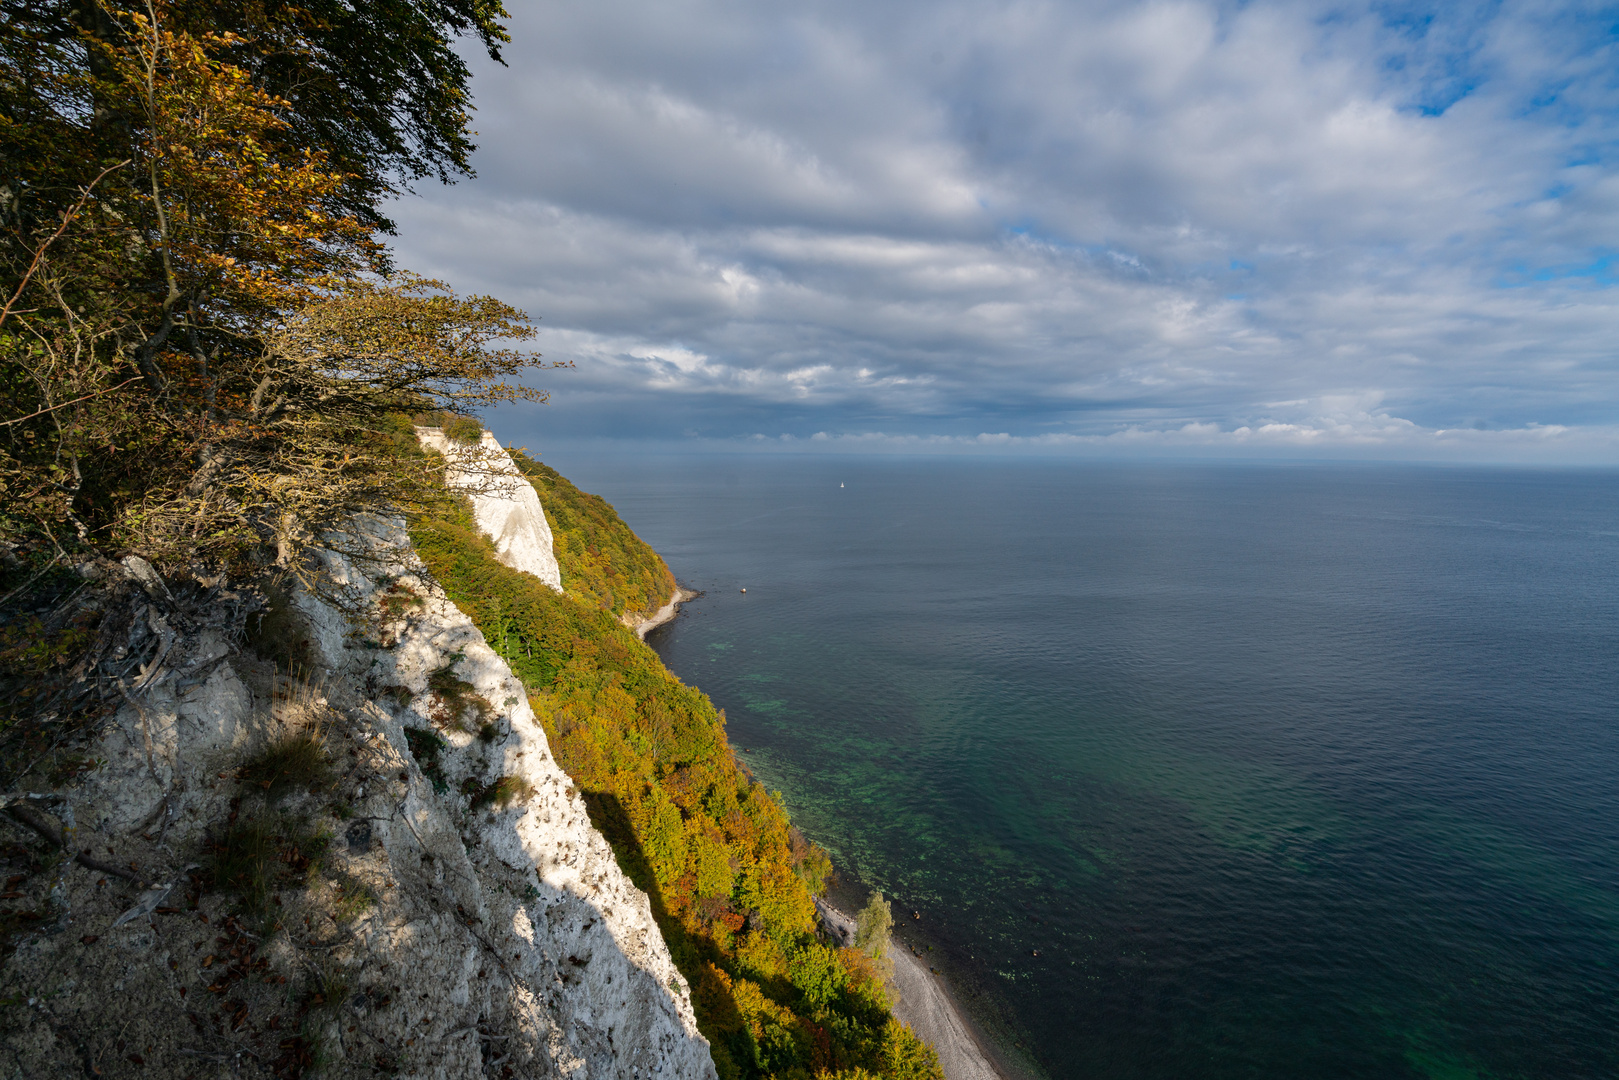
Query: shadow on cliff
[{"x": 717, "y": 1014}]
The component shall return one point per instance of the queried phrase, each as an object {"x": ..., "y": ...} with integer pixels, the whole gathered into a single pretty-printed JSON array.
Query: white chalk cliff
[
  {"x": 504, "y": 504},
  {"x": 507, "y": 510},
  {"x": 499, "y": 941}
]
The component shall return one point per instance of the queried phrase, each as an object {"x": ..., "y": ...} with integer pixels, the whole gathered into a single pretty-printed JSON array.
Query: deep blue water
[{"x": 1284, "y": 771}]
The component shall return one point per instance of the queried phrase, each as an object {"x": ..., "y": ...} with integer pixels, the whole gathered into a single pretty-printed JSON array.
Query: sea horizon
[{"x": 1255, "y": 751}]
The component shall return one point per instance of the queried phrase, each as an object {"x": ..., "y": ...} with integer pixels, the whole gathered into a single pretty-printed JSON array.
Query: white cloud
[
  {"x": 1386, "y": 437},
  {"x": 1161, "y": 222}
]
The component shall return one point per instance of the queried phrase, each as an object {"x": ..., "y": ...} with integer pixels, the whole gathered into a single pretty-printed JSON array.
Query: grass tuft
[
  {"x": 327, "y": 992},
  {"x": 401, "y": 695},
  {"x": 354, "y": 899},
  {"x": 245, "y": 860},
  {"x": 503, "y": 792},
  {"x": 292, "y": 761},
  {"x": 256, "y": 854}
]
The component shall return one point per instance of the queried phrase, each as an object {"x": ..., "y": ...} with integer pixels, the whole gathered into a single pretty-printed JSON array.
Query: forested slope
[
  {"x": 729, "y": 877},
  {"x": 603, "y": 563}
]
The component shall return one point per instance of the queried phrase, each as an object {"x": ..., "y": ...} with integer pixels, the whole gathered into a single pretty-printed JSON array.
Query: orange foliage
[{"x": 729, "y": 878}]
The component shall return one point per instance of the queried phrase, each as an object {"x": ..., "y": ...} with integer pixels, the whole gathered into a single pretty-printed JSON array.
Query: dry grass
[
  {"x": 291, "y": 761},
  {"x": 256, "y": 856},
  {"x": 502, "y": 793},
  {"x": 354, "y": 899},
  {"x": 245, "y": 860},
  {"x": 294, "y": 757}
]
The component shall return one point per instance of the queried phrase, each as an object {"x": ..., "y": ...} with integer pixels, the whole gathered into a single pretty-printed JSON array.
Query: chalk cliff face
[
  {"x": 504, "y": 503},
  {"x": 583, "y": 954},
  {"x": 501, "y": 937}
]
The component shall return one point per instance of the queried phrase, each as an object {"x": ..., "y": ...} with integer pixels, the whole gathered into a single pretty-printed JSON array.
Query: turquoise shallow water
[{"x": 1283, "y": 771}]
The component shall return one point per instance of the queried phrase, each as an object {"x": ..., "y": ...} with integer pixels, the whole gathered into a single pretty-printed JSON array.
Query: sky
[{"x": 1348, "y": 230}]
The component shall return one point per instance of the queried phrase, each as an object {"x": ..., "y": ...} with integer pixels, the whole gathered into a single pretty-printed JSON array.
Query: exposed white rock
[
  {"x": 504, "y": 503},
  {"x": 508, "y": 511},
  {"x": 503, "y": 936},
  {"x": 583, "y": 945}
]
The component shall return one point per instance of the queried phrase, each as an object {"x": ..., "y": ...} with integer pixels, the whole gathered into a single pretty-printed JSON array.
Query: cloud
[
  {"x": 1112, "y": 224},
  {"x": 1381, "y": 437}
]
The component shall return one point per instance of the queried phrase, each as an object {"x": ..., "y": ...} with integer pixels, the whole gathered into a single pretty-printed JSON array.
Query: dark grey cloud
[{"x": 1183, "y": 226}]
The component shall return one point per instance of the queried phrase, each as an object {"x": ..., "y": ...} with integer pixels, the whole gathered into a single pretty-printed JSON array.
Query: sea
[{"x": 1186, "y": 770}]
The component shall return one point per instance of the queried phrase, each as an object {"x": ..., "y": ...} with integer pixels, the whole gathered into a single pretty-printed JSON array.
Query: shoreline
[
  {"x": 663, "y": 615},
  {"x": 927, "y": 1005},
  {"x": 926, "y": 1002}
]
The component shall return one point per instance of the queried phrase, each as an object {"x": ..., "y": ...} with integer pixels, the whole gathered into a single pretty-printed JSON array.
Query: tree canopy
[
  {"x": 377, "y": 89},
  {"x": 201, "y": 334}
]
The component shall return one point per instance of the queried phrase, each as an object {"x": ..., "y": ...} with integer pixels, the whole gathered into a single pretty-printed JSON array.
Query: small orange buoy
[{"x": 744, "y": 590}]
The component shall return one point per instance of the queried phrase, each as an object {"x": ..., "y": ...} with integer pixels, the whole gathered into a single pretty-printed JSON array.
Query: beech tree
[
  {"x": 378, "y": 88},
  {"x": 202, "y": 342}
]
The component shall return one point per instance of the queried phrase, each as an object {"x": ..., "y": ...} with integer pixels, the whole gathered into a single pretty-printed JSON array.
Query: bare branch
[
  {"x": 67, "y": 219},
  {"x": 65, "y": 404}
]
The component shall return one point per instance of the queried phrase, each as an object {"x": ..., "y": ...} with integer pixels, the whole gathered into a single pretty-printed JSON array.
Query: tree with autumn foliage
[
  {"x": 380, "y": 89},
  {"x": 202, "y": 345},
  {"x": 730, "y": 880}
]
